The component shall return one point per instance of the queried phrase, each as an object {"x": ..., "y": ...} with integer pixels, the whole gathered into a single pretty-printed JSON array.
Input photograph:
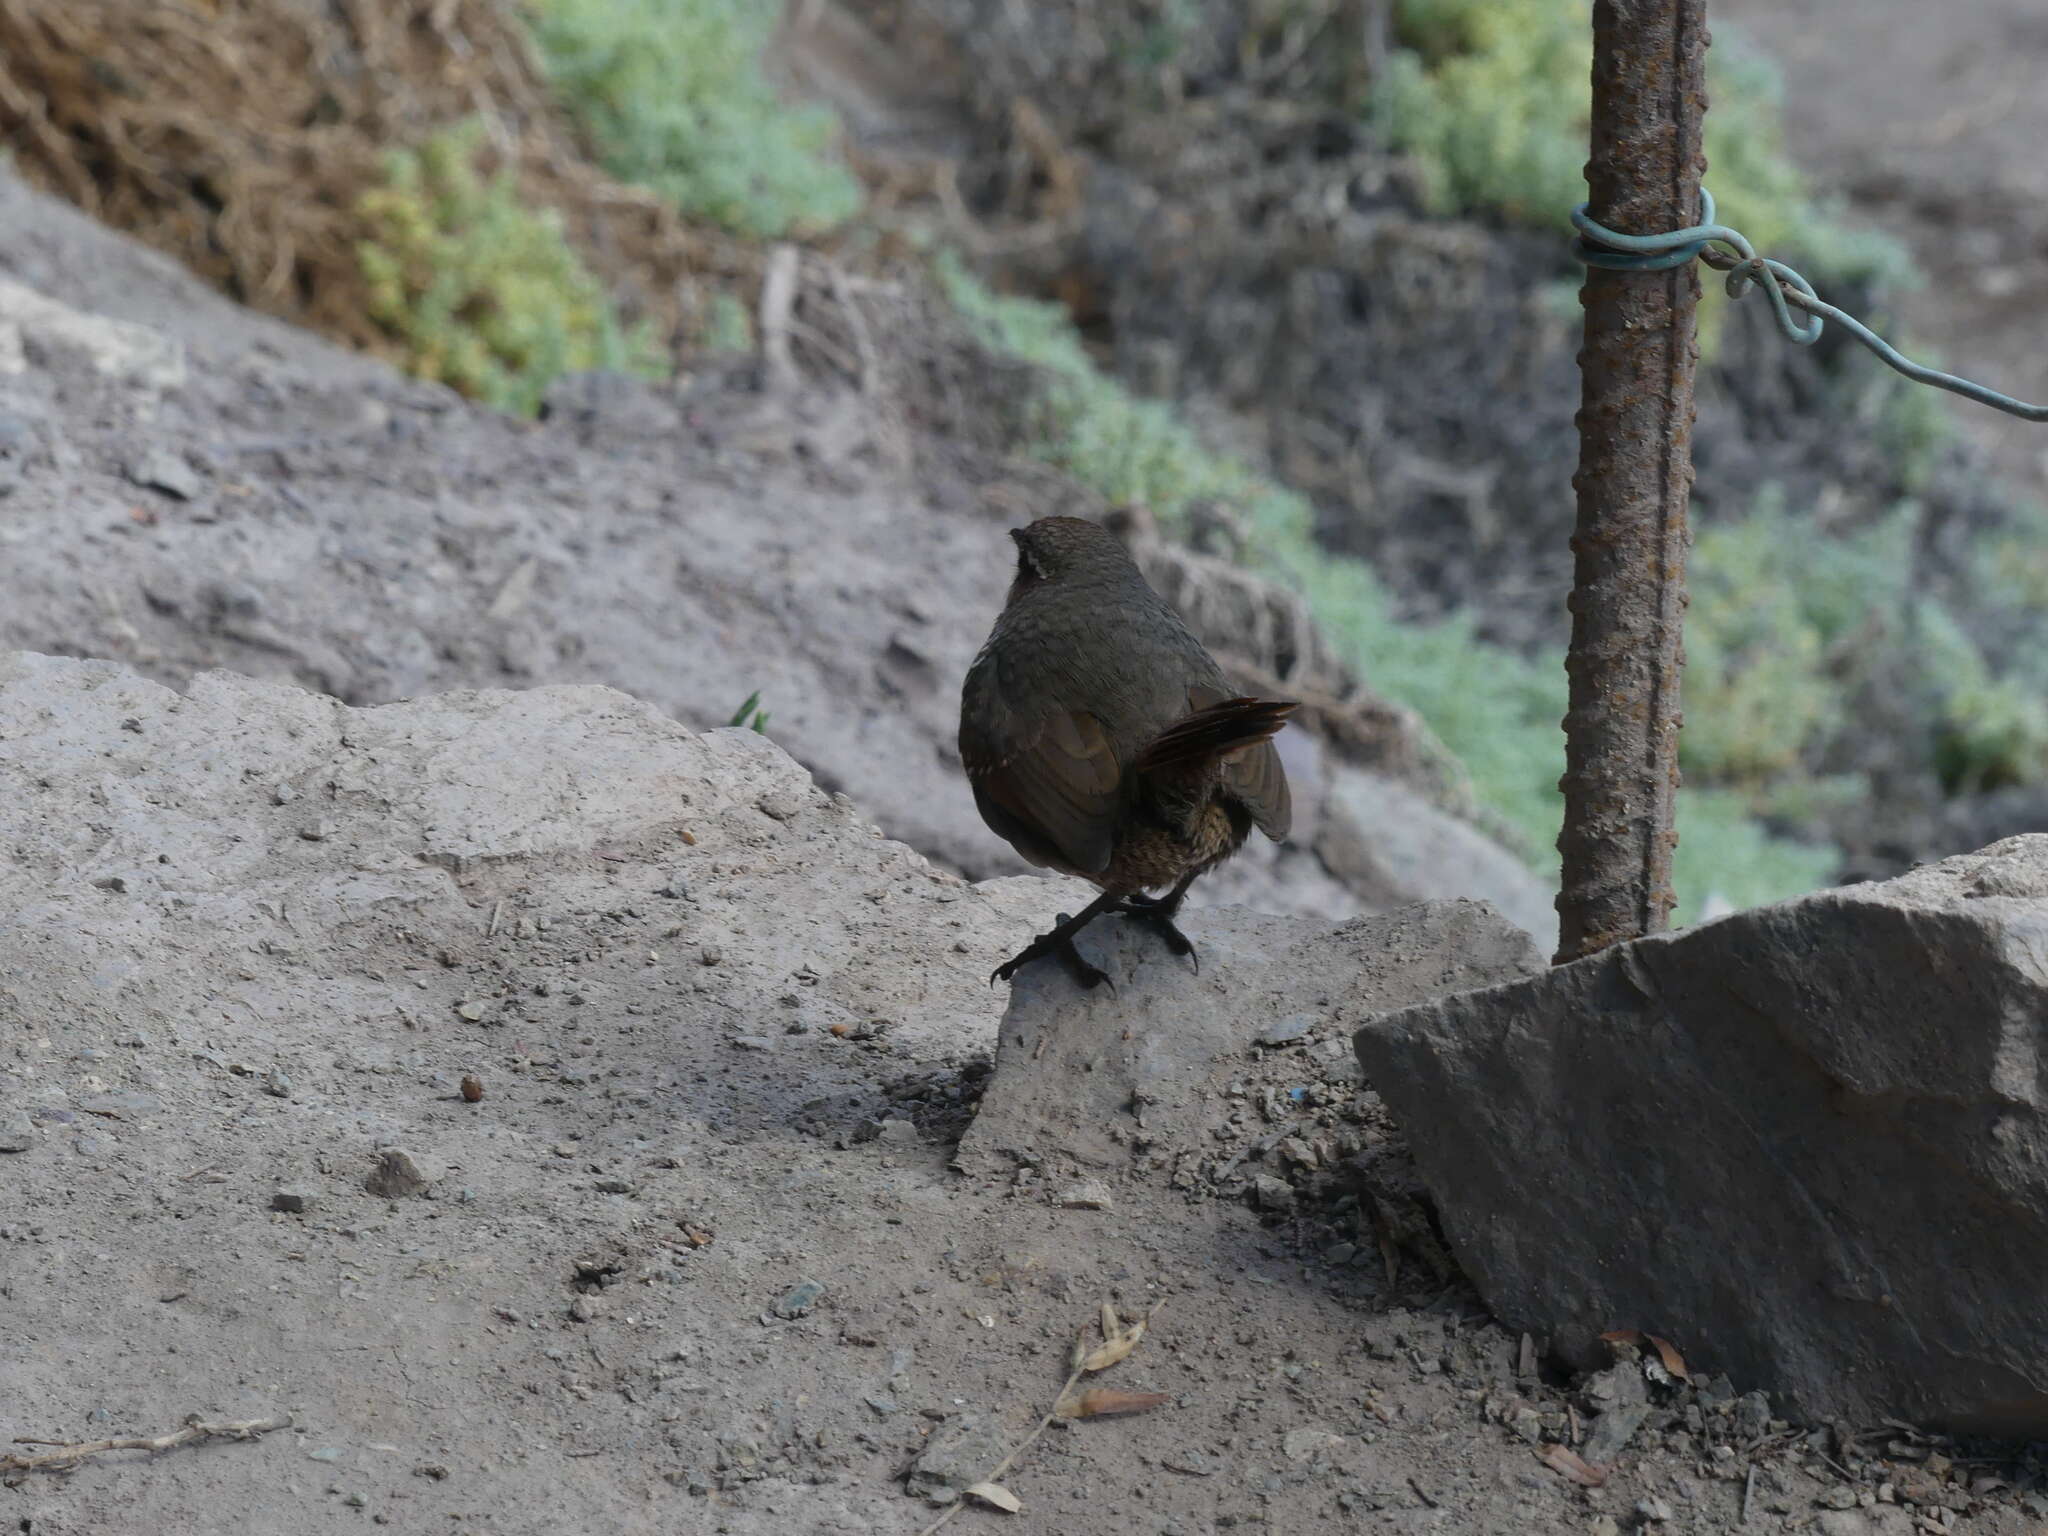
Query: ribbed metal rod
[{"x": 1634, "y": 481}]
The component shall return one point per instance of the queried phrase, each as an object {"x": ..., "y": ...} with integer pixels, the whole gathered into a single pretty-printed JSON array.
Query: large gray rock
[
  {"x": 157, "y": 842},
  {"x": 1808, "y": 1143},
  {"x": 1099, "y": 1077}
]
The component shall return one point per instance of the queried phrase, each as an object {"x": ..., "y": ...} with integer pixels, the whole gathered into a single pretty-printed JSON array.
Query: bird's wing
[
  {"x": 1253, "y": 774},
  {"x": 1050, "y": 786}
]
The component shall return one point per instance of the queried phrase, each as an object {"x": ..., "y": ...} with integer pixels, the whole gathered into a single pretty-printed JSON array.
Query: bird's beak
[{"x": 1017, "y": 537}]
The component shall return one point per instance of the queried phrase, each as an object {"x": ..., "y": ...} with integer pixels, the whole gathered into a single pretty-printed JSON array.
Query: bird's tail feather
[{"x": 1209, "y": 733}]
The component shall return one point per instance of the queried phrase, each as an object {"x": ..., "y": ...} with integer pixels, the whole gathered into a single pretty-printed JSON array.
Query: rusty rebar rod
[{"x": 1634, "y": 479}]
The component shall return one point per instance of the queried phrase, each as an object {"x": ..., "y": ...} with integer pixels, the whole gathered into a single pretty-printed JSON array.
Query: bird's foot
[
  {"x": 1157, "y": 913},
  {"x": 1059, "y": 942}
]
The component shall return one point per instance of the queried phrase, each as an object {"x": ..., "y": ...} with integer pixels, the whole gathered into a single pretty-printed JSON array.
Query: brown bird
[{"x": 1102, "y": 740}]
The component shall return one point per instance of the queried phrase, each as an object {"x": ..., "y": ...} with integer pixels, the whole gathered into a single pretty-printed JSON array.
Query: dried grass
[{"x": 238, "y": 136}]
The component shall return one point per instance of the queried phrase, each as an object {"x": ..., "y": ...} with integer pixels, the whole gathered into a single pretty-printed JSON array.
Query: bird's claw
[{"x": 1050, "y": 944}]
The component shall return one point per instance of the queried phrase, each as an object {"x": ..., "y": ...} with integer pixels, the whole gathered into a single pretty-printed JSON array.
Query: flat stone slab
[
  {"x": 1100, "y": 1076},
  {"x": 1807, "y": 1143}
]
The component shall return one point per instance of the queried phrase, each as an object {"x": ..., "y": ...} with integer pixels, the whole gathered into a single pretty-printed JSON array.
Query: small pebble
[
  {"x": 782, "y": 804},
  {"x": 472, "y": 1089},
  {"x": 1090, "y": 1196},
  {"x": 799, "y": 1299},
  {"x": 1304, "y": 1444},
  {"x": 1273, "y": 1194},
  {"x": 1653, "y": 1510},
  {"x": 396, "y": 1175},
  {"x": 161, "y": 470},
  {"x": 16, "y": 1134},
  {"x": 291, "y": 1198},
  {"x": 1289, "y": 1029}
]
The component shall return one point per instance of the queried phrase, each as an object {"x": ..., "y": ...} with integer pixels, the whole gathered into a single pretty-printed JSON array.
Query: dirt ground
[{"x": 692, "y": 1254}]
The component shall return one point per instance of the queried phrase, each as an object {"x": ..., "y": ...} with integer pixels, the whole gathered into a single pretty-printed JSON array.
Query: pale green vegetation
[
  {"x": 486, "y": 294},
  {"x": 483, "y": 292},
  {"x": 1490, "y": 98},
  {"x": 672, "y": 94}
]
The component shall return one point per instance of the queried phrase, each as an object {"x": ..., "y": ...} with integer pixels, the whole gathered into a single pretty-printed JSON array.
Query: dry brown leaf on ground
[
  {"x": 1667, "y": 1352},
  {"x": 1118, "y": 1342},
  {"x": 1563, "y": 1459},
  {"x": 1119, "y": 1339},
  {"x": 1101, "y": 1402},
  {"x": 997, "y": 1495}
]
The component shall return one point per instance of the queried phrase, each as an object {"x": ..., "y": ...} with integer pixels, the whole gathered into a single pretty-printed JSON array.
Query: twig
[
  {"x": 1824, "y": 1456},
  {"x": 1748, "y": 1492},
  {"x": 863, "y": 343},
  {"x": 1080, "y": 1358},
  {"x": 778, "y": 299},
  {"x": 68, "y": 1453},
  {"x": 1008, "y": 1461}
]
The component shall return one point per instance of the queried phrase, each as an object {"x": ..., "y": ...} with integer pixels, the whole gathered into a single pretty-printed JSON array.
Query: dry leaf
[
  {"x": 996, "y": 1494},
  {"x": 1674, "y": 1362},
  {"x": 1079, "y": 1352},
  {"x": 1100, "y": 1401},
  {"x": 1667, "y": 1352},
  {"x": 1562, "y": 1458},
  {"x": 1119, "y": 1347}
]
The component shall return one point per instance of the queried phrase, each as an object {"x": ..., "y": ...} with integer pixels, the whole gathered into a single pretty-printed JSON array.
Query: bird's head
[{"x": 1058, "y": 550}]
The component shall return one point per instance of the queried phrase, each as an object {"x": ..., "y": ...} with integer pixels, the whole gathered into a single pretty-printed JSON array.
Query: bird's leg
[
  {"x": 1158, "y": 912},
  {"x": 1061, "y": 942}
]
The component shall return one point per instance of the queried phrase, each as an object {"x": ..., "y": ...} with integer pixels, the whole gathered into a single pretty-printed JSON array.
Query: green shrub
[
  {"x": 672, "y": 95},
  {"x": 1491, "y": 99},
  {"x": 1788, "y": 624},
  {"x": 1783, "y": 619},
  {"x": 1993, "y": 730},
  {"x": 484, "y": 293}
]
